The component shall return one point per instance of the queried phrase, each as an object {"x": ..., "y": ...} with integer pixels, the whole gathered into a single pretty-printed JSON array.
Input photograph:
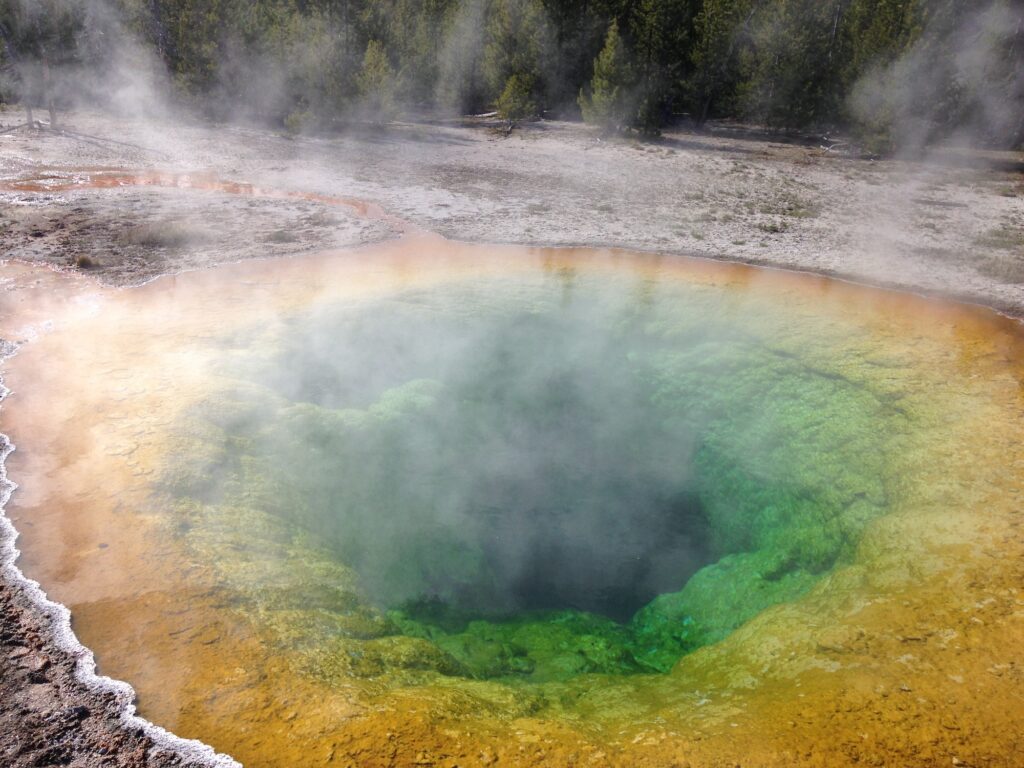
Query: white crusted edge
[{"x": 190, "y": 751}]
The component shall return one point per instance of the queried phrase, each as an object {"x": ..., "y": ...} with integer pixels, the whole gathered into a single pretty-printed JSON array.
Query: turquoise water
[{"x": 528, "y": 478}]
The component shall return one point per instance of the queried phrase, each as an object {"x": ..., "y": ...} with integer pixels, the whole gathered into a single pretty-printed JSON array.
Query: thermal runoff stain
[{"x": 444, "y": 504}]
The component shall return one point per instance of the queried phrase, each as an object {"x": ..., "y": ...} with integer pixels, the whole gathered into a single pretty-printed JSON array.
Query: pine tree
[
  {"x": 38, "y": 42},
  {"x": 518, "y": 43},
  {"x": 461, "y": 84},
  {"x": 516, "y": 101},
  {"x": 722, "y": 32},
  {"x": 660, "y": 31},
  {"x": 610, "y": 103},
  {"x": 376, "y": 82}
]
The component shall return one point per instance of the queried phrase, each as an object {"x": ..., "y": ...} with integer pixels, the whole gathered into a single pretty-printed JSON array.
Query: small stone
[{"x": 37, "y": 673}]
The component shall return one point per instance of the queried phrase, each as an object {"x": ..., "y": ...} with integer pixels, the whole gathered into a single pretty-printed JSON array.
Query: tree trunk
[
  {"x": 48, "y": 99},
  {"x": 722, "y": 67}
]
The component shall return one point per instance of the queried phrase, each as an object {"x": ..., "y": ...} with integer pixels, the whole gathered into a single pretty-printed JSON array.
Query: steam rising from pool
[
  {"x": 432, "y": 502},
  {"x": 470, "y": 470}
]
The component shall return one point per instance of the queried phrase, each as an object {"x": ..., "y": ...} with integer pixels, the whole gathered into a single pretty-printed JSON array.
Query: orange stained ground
[{"x": 912, "y": 655}]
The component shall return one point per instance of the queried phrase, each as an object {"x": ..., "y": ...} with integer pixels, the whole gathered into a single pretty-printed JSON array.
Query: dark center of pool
[{"x": 498, "y": 464}]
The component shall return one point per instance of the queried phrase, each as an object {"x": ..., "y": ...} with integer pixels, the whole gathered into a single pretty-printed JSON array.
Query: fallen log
[{"x": 89, "y": 137}]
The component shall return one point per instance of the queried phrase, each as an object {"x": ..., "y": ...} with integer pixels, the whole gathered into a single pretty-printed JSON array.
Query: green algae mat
[{"x": 529, "y": 478}]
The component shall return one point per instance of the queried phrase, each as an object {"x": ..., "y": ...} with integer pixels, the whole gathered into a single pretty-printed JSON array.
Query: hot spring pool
[{"x": 437, "y": 504}]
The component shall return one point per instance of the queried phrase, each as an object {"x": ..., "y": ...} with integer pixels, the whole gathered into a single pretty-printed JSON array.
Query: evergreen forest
[{"x": 889, "y": 72}]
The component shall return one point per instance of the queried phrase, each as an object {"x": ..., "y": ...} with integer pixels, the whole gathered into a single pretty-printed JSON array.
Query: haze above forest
[{"x": 893, "y": 73}]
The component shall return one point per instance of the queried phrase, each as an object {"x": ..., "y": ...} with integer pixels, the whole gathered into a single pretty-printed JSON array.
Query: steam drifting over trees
[{"x": 898, "y": 73}]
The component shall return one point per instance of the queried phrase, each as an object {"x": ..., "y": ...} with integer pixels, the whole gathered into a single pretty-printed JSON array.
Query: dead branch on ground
[{"x": 99, "y": 141}]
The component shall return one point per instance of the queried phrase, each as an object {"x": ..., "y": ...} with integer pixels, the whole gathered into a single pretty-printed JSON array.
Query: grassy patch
[
  {"x": 1006, "y": 264},
  {"x": 773, "y": 227},
  {"x": 1007, "y": 268},
  {"x": 1004, "y": 238},
  {"x": 791, "y": 204}
]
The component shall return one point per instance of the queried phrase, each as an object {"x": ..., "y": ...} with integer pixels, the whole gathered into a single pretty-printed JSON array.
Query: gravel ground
[{"x": 951, "y": 225}]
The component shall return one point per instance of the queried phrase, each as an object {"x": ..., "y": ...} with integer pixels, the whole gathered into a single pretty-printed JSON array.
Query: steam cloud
[
  {"x": 517, "y": 465},
  {"x": 962, "y": 80}
]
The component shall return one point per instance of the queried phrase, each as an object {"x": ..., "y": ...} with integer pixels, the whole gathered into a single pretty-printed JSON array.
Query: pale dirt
[{"x": 952, "y": 226}]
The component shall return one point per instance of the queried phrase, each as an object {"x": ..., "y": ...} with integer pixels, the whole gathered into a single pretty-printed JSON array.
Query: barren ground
[{"x": 951, "y": 226}]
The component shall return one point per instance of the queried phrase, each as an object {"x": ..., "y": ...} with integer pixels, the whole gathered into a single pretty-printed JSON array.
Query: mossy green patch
[{"x": 533, "y": 479}]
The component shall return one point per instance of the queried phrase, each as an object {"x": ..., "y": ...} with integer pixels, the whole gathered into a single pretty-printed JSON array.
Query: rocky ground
[
  {"x": 951, "y": 225},
  {"x": 48, "y": 716}
]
